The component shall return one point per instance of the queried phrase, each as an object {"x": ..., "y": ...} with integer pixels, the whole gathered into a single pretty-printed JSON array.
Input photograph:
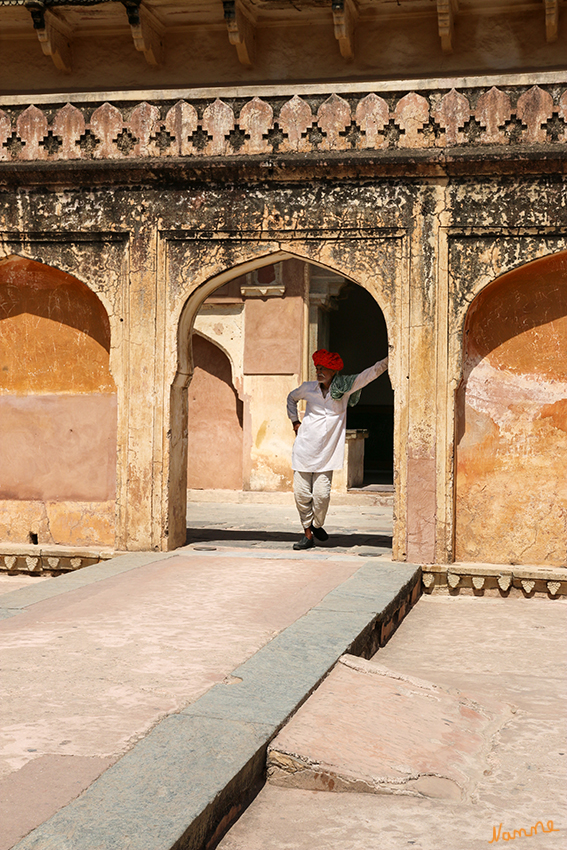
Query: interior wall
[
  {"x": 58, "y": 409},
  {"x": 272, "y": 365},
  {"x": 263, "y": 331},
  {"x": 511, "y": 483}
]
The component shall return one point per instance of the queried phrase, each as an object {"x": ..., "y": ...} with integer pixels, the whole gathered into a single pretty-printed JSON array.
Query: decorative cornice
[{"x": 517, "y": 117}]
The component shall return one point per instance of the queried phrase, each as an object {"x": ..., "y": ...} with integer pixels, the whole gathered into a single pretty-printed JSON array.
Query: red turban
[{"x": 328, "y": 359}]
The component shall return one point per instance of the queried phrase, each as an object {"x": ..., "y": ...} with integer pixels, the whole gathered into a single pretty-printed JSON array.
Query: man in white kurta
[{"x": 320, "y": 442}]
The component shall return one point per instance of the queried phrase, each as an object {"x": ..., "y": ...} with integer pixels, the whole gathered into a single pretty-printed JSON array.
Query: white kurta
[{"x": 320, "y": 442}]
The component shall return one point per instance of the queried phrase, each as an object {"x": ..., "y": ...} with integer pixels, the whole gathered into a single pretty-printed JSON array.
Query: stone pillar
[
  {"x": 421, "y": 442},
  {"x": 140, "y": 464}
]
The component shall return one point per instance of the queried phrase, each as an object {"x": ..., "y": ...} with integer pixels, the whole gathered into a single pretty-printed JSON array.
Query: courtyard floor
[{"x": 93, "y": 661}]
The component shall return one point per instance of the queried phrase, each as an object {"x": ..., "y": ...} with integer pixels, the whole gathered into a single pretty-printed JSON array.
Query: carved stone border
[
  {"x": 494, "y": 580},
  {"x": 37, "y": 560},
  {"x": 516, "y": 116}
]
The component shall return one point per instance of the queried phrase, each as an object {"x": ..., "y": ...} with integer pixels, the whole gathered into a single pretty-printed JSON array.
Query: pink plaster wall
[
  {"x": 58, "y": 447},
  {"x": 511, "y": 482},
  {"x": 421, "y": 509},
  {"x": 273, "y": 335},
  {"x": 215, "y": 427}
]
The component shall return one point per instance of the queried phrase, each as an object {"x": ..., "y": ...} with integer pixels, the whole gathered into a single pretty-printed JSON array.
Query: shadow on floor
[{"x": 283, "y": 539}]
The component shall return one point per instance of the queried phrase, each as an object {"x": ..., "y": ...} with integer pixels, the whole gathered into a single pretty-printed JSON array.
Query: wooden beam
[
  {"x": 344, "y": 19},
  {"x": 446, "y": 13},
  {"x": 551, "y": 20},
  {"x": 53, "y": 35},
  {"x": 147, "y": 33},
  {"x": 240, "y": 31}
]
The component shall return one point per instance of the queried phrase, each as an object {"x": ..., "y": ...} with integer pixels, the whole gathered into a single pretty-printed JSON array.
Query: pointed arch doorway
[{"x": 268, "y": 323}]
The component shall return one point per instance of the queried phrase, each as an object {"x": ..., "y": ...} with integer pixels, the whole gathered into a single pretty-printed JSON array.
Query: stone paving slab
[
  {"x": 353, "y": 528},
  {"x": 96, "y": 659},
  {"x": 335, "y": 743}
]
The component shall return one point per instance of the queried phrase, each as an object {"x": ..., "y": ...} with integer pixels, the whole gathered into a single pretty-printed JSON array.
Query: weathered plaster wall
[
  {"x": 424, "y": 230},
  {"x": 58, "y": 409},
  {"x": 214, "y": 421},
  {"x": 512, "y": 420}
]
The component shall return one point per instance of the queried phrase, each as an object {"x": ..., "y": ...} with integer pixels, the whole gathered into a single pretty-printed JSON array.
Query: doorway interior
[
  {"x": 358, "y": 332},
  {"x": 265, "y": 326}
]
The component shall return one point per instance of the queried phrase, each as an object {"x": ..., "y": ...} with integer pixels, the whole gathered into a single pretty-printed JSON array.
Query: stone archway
[
  {"x": 511, "y": 456},
  {"x": 58, "y": 407},
  {"x": 275, "y": 348}
]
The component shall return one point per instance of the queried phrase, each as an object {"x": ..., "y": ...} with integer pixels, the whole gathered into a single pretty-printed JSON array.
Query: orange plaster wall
[
  {"x": 511, "y": 504},
  {"x": 58, "y": 409},
  {"x": 215, "y": 429},
  {"x": 55, "y": 334}
]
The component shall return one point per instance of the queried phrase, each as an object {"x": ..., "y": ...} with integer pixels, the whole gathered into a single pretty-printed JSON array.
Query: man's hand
[{"x": 295, "y": 426}]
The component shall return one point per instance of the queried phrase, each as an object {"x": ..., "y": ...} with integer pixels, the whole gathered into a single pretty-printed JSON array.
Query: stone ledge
[
  {"x": 495, "y": 579},
  {"x": 184, "y": 784},
  {"x": 282, "y": 90},
  {"x": 53, "y": 560}
]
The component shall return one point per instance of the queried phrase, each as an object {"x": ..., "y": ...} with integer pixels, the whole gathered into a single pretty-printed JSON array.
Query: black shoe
[
  {"x": 304, "y": 543},
  {"x": 319, "y": 533}
]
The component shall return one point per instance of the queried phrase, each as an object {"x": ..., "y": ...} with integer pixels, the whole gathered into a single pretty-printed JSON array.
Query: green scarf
[{"x": 341, "y": 384}]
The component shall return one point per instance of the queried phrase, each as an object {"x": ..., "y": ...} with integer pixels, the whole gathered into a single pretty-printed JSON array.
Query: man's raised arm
[{"x": 369, "y": 375}]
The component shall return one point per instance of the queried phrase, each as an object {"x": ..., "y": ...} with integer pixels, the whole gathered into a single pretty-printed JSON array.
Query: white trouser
[{"x": 312, "y": 491}]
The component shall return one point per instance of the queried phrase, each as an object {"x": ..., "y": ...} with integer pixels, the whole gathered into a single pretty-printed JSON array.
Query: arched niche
[
  {"x": 511, "y": 439},
  {"x": 58, "y": 409}
]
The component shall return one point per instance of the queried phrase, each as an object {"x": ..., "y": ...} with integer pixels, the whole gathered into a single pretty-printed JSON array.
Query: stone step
[{"x": 373, "y": 495}]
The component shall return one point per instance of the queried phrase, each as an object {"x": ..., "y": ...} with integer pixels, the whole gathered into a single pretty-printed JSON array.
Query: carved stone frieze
[
  {"x": 341, "y": 122},
  {"x": 32, "y": 559},
  {"x": 489, "y": 579},
  {"x": 504, "y": 581}
]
